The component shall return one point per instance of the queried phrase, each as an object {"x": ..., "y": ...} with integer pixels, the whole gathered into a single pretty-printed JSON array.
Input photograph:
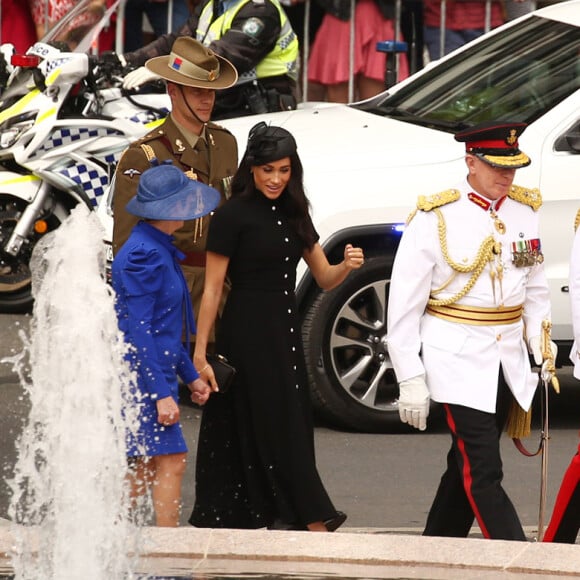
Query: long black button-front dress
[{"x": 255, "y": 457}]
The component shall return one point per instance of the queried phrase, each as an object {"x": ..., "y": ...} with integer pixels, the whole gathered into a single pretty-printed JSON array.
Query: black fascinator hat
[{"x": 267, "y": 143}]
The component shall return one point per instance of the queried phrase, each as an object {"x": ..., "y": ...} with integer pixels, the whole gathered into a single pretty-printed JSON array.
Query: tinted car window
[{"x": 516, "y": 75}]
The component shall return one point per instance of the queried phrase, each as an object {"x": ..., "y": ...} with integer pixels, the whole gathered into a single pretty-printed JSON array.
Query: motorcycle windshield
[{"x": 78, "y": 31}]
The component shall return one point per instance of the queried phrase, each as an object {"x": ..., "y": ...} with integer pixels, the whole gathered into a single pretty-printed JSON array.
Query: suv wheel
[{"x": 344, "y": 333}]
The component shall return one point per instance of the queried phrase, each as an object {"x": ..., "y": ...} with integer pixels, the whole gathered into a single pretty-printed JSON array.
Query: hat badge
[
  {"x": 212, "y": 75},
  {"x": 513, "y": 137}
]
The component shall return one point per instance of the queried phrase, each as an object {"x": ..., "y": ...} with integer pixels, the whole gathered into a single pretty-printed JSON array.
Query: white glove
[
  {"x": 414, "y": 402},
  {"x": 8, "y": 51},
  {"x": 535, "y": 344},
  {"x": 546, "y": 374},
  {"x": 139, "y": 77}
]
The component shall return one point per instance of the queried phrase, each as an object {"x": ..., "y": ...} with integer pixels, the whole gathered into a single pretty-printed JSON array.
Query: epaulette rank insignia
[
  {"x": 149, "y": 153},
  {"x": 427, "y": 203},
  {"x": 531, "y": 197},
  {"x": 577, "y": 220}
]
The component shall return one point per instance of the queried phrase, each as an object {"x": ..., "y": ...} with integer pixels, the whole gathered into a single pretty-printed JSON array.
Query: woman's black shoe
[
  {"x": 280, "y": 525},
  {"x": 334, "y": 523}
]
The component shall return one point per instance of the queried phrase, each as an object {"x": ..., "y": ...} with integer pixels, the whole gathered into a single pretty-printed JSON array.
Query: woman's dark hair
[{"x": 296, "y": 204}]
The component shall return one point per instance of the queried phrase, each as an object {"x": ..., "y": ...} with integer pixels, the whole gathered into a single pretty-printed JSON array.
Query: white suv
[{"x": 366, "y": 163}]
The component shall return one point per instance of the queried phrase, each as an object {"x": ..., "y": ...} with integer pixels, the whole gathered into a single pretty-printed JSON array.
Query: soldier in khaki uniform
[{"x": 205, "y": 151}]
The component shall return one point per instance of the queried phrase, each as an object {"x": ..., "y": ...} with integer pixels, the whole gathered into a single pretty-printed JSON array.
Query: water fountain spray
[{"x": 70, "y": 499}]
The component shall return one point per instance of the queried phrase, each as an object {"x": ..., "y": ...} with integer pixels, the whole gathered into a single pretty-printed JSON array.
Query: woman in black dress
[{"x": 255, "y": 458}]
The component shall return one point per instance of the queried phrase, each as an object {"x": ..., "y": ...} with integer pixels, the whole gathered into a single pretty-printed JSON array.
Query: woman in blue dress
[
  {"x": 255, "y": 464},
  {"x": 154, "y": 310}
]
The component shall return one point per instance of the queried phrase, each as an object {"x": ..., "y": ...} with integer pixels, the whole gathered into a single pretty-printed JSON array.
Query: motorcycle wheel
[{"x": 15, "y": 275}]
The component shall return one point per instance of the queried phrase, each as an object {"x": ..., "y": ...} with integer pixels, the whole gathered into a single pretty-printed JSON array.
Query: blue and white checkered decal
[
  {"x": 92, "y": 180},
  {"x": 50, "y": 64},
  {"x": 64, "y": 136}
]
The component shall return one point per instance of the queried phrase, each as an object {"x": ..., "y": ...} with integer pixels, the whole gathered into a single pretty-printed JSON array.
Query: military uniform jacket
[
  {"x": 213, "y": 162},
  {"x": 461, "y": 361},
  {"x": 575, "y": 301}
]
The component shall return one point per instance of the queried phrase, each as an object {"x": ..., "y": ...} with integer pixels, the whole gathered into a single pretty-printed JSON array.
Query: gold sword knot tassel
[{"x": 549, "y": 365}]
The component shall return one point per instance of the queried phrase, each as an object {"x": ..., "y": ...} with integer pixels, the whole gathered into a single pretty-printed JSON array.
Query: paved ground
[
  {"x": 349, "y": 553},
  {"x": 366, "y": 552}
]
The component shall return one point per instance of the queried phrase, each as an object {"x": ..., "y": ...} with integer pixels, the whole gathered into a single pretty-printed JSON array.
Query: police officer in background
[
  {"x": 203, "y": 150},
  {"x": 468, "y": 285},
  {"x": 255, "y": 36}
]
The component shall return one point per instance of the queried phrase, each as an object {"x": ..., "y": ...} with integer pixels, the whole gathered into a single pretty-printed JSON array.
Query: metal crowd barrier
[
  {"x": 391, "y": 46},
  {"x": 120, "y": 27},
  {"x": 306, "y": 46},
  {"x": 388, "y": 47}
]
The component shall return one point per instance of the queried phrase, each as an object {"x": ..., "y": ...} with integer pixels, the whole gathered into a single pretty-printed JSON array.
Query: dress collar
[
  {"x": 166, "y": 240},
  {"x": 485, "y": 203}
]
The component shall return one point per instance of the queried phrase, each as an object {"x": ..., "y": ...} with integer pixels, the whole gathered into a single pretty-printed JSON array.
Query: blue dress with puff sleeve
[{"x": 153, "y": 305}]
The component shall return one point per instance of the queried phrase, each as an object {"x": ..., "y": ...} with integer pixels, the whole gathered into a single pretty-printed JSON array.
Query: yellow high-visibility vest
[{"x": 281, "y": 60}]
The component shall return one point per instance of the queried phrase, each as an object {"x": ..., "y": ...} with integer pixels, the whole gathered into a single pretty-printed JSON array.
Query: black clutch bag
[{"x": 224, "y": 372}]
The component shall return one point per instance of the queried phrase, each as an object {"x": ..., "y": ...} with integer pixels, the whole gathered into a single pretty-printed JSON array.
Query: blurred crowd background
[{"x": 429, "y": 29}]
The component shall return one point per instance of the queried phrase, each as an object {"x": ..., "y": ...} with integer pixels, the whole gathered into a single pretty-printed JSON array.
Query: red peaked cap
[{"x": 495, "y": 143}]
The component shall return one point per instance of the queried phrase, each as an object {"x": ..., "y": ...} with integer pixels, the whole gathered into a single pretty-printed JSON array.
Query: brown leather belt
[{"x": 195, "y": 259}]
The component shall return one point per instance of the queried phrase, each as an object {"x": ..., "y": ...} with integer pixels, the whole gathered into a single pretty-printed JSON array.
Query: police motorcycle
[{"x": 64, "y": 123}]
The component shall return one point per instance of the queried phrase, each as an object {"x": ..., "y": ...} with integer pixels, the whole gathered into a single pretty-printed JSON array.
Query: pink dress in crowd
[{"x": 329, "y": 57}]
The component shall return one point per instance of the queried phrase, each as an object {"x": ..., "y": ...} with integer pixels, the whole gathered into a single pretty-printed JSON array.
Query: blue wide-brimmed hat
[{"x": 166, "y": 193}]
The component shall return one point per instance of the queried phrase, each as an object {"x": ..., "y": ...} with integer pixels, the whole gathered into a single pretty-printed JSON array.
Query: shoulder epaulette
[
  {"x": 427, "y": 203},
  {"x": 149, "y": 153},
  {"x": 531, "y": 197},
  {"x": 577, "y": 220},
  {"x": 152, "y": 135},
  {"x": 216, "y": 127}
]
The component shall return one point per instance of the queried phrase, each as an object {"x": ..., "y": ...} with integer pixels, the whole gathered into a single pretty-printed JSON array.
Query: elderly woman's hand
[
  {"x": 200, "y": 391},
  {"x": 167, "y": 411},
  {"x": 353, "y": 257}
]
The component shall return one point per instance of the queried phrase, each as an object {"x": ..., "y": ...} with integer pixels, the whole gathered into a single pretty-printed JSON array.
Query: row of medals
[{"x": 523, "y": 253}]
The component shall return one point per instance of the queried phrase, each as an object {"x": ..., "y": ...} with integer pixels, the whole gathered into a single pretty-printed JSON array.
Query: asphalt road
[{"x": 384, "y": 481}]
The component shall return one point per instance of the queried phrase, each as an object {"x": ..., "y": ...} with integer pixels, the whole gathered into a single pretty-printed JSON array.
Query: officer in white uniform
[
  {"x": 565, "y": 521},
  {"x": 467, "y": 287}
]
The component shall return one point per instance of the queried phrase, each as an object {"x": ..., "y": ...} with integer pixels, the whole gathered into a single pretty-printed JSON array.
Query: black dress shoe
[
  {"x": 280, "y": 525},
  {"x": 335, "y": 522}
]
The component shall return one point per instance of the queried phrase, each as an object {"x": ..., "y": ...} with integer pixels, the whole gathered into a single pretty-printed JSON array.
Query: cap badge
[
  {"x": 513, "y": 138},
  {"x": 177, "y": 62}
]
